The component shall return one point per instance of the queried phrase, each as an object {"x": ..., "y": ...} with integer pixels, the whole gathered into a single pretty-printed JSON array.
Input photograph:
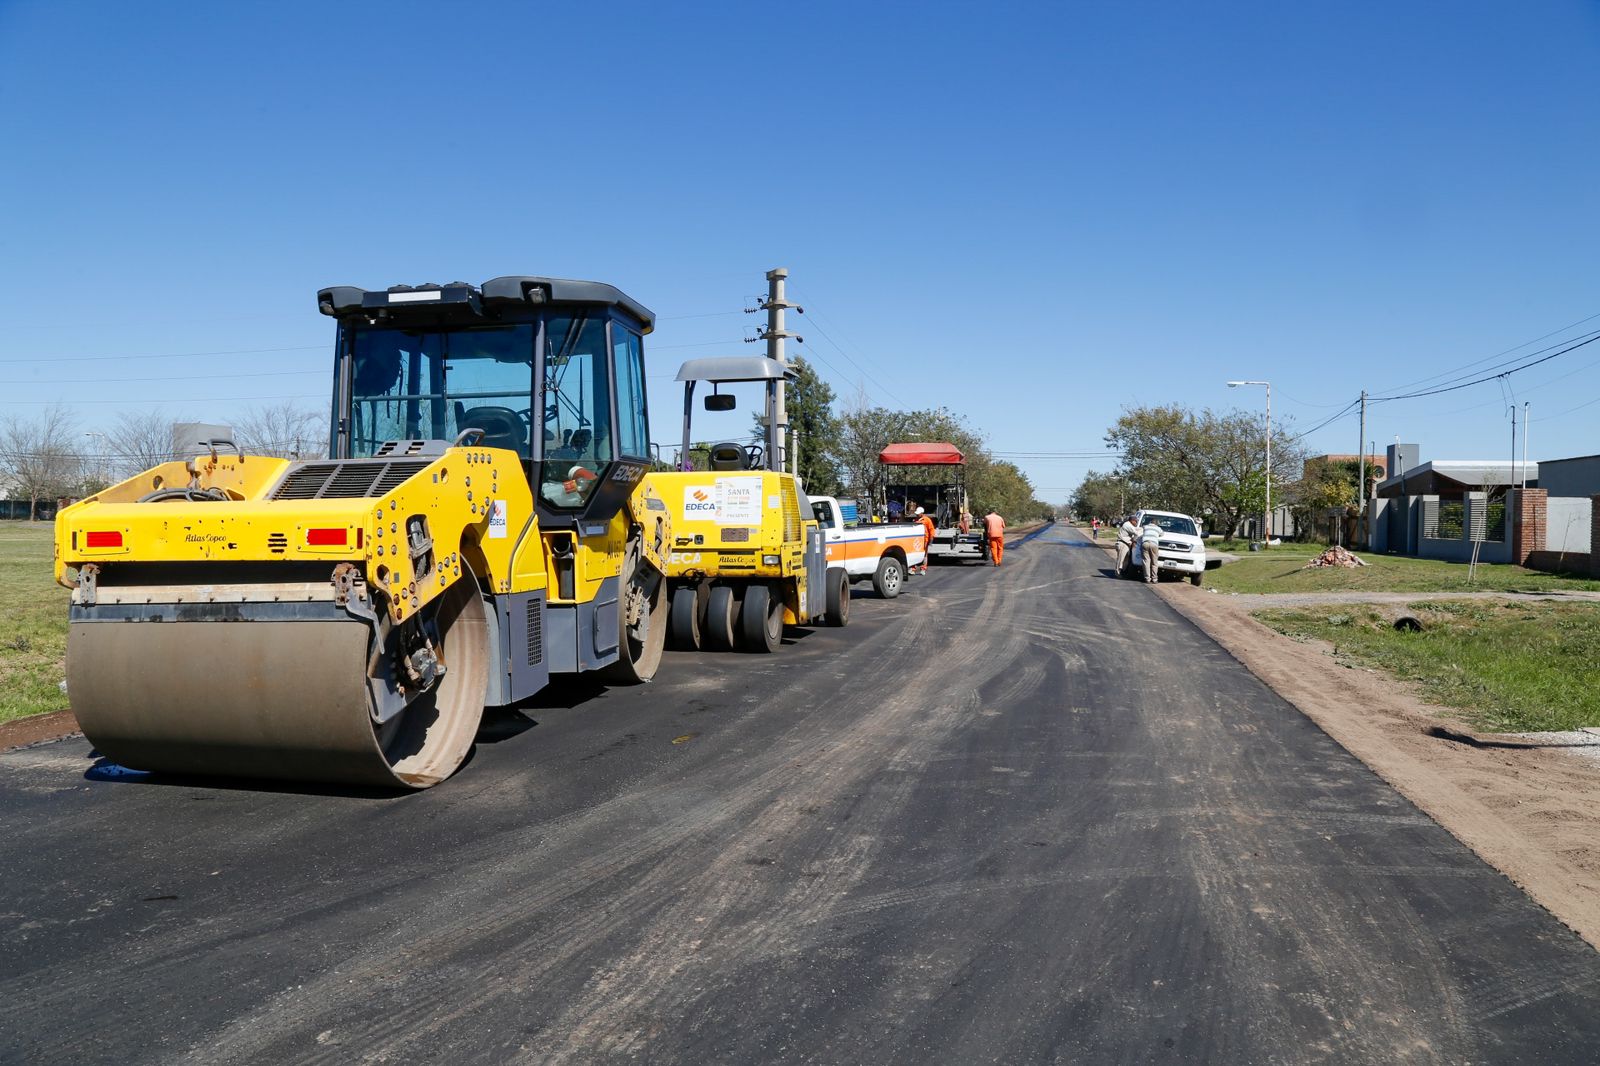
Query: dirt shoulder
[
  {"x": 37, "y": 727},
  {"x": 1533, "y": 813}
]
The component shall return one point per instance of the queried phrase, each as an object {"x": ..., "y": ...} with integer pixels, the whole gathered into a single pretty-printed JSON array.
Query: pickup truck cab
[
  {"x": 883, "y": 554},
  {"x": 1183, "y": 547}
]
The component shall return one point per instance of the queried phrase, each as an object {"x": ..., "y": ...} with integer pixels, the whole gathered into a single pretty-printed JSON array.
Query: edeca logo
[{"x": 698, "y": 503}]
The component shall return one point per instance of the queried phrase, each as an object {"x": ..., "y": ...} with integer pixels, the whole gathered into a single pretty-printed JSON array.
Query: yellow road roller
[
  {"x": 747, "y": 554},
  {"x": 482, "y": 524}
]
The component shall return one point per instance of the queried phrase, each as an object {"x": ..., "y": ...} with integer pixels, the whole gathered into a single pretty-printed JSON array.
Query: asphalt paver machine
[
  {"x": 481, "y": 524},
  {"x": 932, "y": 476}
]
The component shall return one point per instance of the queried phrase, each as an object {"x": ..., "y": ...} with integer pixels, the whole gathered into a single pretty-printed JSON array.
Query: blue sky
[{"x": 1030, "y": 214}]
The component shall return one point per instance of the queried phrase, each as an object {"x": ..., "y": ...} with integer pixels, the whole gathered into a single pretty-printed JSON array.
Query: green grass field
[
  {"x": 1512, "y": 667},
  {"x": 1281, "y": 569},
  {"x": 33, "y": 635}
]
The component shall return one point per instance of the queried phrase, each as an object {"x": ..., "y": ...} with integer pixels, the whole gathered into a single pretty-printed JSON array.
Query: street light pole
[
  {"x": 99, "y": 459},
  {"x": 1266, "y": 523}
]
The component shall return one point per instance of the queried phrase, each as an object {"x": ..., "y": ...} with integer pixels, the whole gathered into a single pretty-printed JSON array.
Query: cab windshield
[
  {"x": 1170, "y": 523},
  {"x": 432, "y": 384}
]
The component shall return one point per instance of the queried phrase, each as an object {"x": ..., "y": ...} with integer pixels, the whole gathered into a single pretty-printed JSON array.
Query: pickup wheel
[
  {"x": 1194, "y": 579},
  {"x": 889, "y": 578},
  {"x": 717, "y": 631},
  {"x": 683, "y": 622},
  {"x": 837, "y": 586},
  {"x": 760, "y": 620}
]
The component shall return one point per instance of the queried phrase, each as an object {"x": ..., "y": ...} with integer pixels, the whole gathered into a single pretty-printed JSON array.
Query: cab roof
[{"x": 460, "y": 299}]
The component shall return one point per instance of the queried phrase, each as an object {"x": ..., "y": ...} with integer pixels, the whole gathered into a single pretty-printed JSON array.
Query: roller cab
[{"x": 480, "y": 526}]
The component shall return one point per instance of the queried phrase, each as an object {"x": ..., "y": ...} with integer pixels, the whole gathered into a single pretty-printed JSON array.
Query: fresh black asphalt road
[{"x": 1026, "y": 815}]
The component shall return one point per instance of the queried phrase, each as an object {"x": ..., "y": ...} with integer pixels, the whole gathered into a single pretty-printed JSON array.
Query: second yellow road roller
[{"x": 482, "y": 523}]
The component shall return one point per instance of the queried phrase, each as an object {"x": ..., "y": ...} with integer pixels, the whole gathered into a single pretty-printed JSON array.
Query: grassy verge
[
  {"x": 1512, "y": 667},
  {"x": 1281, "y": 569},
  {"x": 33, "y": 623}
]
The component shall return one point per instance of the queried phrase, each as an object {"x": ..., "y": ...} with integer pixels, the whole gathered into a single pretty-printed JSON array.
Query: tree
[
  {"x": 40, "y": 457},
  {"x": 141, "y": 440},
  {"x": 808, "y": 403},
  {"x": 990, "y": 483},
  {"x": 1098, "y": 496},
  {"x": 1202, "y": 464},
  {"x": 283, "y": 430},
  {"x": 1326, "y": 485}
]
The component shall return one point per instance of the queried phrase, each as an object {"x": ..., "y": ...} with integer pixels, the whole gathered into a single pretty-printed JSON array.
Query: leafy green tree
[
  {"x": 1098, "y": 496},
  {"x": 808, "y": 402},
  {"x": 1203, "y": 464}
]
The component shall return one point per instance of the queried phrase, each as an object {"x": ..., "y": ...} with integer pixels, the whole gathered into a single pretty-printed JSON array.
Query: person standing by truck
[
  {"x": 1127, "y": 533},
  {"x": 927, "y": 542},
  {"x": 994, "y": 530},
  {"x": 1150, "y": 547}
]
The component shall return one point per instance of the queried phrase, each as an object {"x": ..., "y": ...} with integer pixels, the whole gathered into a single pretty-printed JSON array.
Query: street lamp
[
  {"x": 100, "y": 458},
  {"x": 1266, "y": 524}
]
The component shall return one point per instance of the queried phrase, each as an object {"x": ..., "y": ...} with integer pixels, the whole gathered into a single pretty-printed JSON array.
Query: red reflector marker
[
  {"x": 327, "y": 538},
  {"x": 103, "y": 538}
]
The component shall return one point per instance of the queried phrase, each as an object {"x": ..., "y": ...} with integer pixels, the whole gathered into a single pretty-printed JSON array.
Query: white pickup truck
[
  {"x": 1182, "y": 550},
  {"x": 882, "y": 553}
]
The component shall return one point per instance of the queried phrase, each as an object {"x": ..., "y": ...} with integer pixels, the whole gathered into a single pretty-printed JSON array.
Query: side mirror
[{"x": 721, "y": 401}]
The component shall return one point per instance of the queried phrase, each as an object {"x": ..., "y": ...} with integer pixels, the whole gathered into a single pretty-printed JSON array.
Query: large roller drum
[{"x": 270, "y": 689}]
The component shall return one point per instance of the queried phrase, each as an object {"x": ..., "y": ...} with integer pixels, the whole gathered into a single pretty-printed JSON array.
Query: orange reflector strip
[
  {"x": 101, "y": 538},
  {"x": 327, "y": 538}
]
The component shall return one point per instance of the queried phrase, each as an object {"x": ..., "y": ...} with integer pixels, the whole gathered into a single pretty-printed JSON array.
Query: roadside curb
[{"x": 1433, "y": 776}]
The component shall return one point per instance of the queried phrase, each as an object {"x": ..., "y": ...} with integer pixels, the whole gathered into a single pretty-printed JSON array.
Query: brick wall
[{"x": 1528, "y": 530}]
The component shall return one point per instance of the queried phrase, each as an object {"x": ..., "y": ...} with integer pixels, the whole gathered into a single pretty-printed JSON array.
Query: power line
[
  {"x": 1489, "y": 377},
  {"x": 172, "y": 400},
  {"x": 178, "y": 377},
  {"x": 162, "y": 355},
  {"x": 1497, "y": 355},
  {"x": 815, "y": 316}
]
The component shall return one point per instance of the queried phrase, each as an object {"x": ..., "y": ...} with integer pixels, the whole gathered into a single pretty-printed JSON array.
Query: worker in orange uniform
[
  {"x": 994, "y": 528},
  {"x": 927, "y": 538}
]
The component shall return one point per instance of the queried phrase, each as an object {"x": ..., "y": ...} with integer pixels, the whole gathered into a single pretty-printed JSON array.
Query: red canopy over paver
[{"x": 921, "y": 455}]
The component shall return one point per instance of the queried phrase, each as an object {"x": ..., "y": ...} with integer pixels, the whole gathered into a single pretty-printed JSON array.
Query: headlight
[{"x": 770, "y": 560}]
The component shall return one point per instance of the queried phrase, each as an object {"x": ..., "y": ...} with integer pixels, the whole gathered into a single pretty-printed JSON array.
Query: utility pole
[
  {"x": 777, "y": 410},
  {"x": 1361, "y": 479},
  {"x": 1512, "y": 473},
  {"x": 1524, "y": 443}
]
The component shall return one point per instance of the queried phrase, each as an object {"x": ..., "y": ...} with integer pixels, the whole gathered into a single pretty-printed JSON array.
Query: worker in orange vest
[
  {"x": 927, "y": 538},
  {"x": 994, "y": 528}
]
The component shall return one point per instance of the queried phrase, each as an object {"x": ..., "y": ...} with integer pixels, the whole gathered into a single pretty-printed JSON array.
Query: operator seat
[
  {"x": 502, "y": 427},
  {"x": 729, "y": 456}
]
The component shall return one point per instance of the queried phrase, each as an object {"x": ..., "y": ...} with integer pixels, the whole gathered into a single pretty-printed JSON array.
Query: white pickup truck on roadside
[
  {"x": 1182, "y": 546},
  {"x": 883, "y": 554}
]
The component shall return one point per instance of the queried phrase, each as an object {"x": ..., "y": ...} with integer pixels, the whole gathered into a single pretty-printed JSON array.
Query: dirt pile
[{"x": 1335, "y": 556}]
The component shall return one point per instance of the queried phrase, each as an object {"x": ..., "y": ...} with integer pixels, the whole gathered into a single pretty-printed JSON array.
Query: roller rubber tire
[
  {"x": 683, "y": 626},
  {"x": 760, "y": 620},
  {"x": 837, "y": 600},
  {"x": 890, "y": 577},
  {"x": 717, "y": 629}
]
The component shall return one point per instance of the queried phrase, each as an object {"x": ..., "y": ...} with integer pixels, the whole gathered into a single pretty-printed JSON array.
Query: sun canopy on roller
[
  {"x": 548, "y": 368},
  {"x": 727, "y": 370}
]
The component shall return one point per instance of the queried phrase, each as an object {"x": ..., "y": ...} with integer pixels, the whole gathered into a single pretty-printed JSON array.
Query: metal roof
[
  {"x": 1457, "y": 475},
  {"x": 735, "y": 368}
]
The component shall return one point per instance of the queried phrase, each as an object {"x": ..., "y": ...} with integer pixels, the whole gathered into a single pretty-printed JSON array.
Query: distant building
[{"x": 1578, "y": 476}]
